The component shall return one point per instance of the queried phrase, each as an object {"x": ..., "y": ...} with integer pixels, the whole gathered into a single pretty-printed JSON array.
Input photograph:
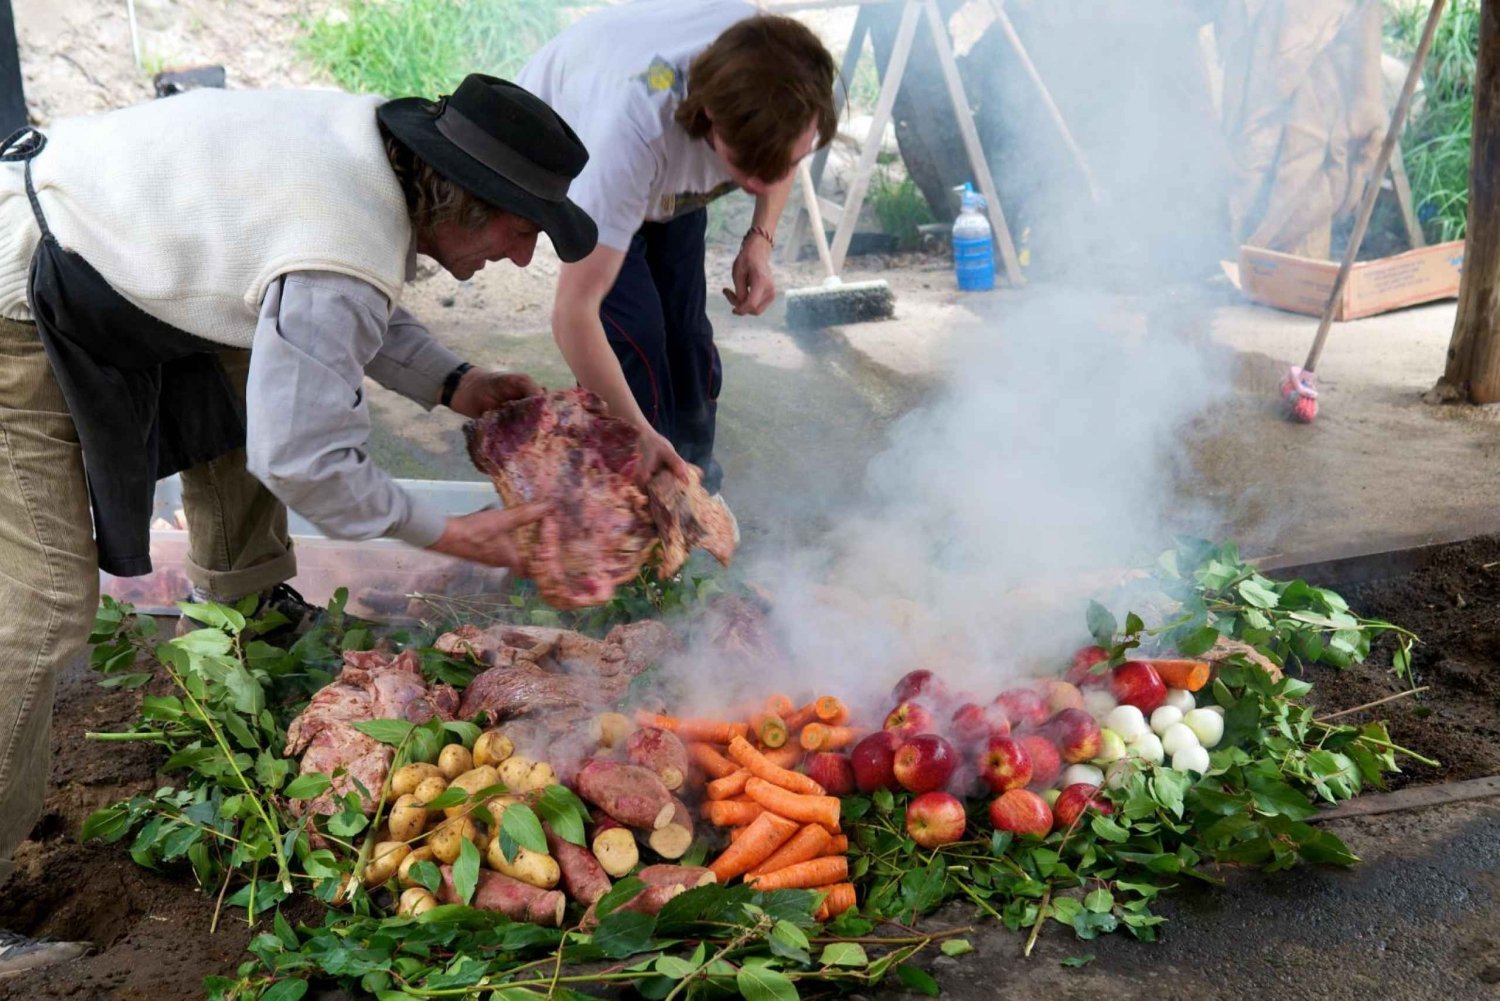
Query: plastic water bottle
[{"x": 973, "y": 244}]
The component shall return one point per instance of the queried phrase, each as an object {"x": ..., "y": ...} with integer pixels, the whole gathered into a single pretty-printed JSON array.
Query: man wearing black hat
[{"x": 200, "y": 285}]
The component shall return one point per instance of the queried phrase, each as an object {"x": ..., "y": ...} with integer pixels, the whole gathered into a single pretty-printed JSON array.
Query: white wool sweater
[{"x": 190, "y": 206}]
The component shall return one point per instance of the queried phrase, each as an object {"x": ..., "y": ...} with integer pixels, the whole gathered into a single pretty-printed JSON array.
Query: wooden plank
[
  {"x": 859, "y": 183},
  {"x": 1402, "y": 184},
  {"x": 833, "y": 212},
  {"x": 1412, "y": 798},
  {"x": 972, "y": 145}
]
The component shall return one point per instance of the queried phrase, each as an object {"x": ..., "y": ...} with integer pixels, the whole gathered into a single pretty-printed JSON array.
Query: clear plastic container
[{"x": 381, "y": 574}]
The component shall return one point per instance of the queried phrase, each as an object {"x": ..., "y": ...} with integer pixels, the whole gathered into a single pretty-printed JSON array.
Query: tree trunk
[
  {"x": 1473, "y": 370},
  {"x": 12, "y": 99}
]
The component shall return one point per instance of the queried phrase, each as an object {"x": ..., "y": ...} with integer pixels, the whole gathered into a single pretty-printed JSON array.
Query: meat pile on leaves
[{"x": 602, "y": 527}]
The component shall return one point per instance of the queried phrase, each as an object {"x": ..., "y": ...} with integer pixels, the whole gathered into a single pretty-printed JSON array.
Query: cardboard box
[{"x": 1302, "y": 284}]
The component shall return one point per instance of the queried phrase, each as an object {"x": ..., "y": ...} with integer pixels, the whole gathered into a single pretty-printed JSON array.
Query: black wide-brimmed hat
[{"x": 502, "y": 144}]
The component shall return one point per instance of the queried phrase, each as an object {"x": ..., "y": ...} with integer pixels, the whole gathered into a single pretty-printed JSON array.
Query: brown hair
[
  {"x": 763, "y": 81},
  {"x": 432, "y": 199}
]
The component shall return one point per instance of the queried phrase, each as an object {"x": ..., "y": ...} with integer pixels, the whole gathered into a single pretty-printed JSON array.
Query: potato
[
  {"x": 416, "y": 900},
  {"x": 472, "y": 781},
  {"x": 522, "y": 775},
  {"x": 448, "y": 837},
  {"x": 541, "y": 776},
  {"x": 403, "y": 873},
  {"x": 430, "y": 789},
  {"x": 454, "y": 760},
  {"x": 408, "y": 818},
  {"x": 408, "y": 777},
  {"x": 492, "y": 747},
  {"x": 532, "y": 868},
  {"x": 384, "y": 861},
  {"x": 610, "y": 729},
  {"x": 496, "y": 806}
]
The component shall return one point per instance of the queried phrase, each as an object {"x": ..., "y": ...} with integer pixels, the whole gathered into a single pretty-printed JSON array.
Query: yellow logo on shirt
[{"x": 661, "y": 76}]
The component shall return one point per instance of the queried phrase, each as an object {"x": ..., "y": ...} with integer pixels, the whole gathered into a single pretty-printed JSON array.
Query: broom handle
[
  {"x": 1372, "y": 189},
  {"x": 815, "y": 216}
]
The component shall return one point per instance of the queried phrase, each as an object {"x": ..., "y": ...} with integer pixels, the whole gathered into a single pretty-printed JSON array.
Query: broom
[
  {"x": 1299, "y": 389},
  {"x": 835, "y": 302}
]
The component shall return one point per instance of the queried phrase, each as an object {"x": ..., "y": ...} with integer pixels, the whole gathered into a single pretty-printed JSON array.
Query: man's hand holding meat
[{"x": 480, "y": 391}]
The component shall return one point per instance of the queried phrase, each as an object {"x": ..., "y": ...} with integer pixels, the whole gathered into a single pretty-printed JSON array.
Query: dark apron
[{"x": 148, "y": 400}]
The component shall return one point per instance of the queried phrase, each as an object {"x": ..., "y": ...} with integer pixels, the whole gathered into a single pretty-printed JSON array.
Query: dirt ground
[{"x": 152, "y": 929}]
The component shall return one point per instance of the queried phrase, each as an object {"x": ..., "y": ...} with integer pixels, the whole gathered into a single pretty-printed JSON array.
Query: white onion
[
  {"x": 1191, "y": 759},
  {"x": 1148, "y": 748},
  {"x": 1180, "y": 699},
  {"x": 1087, "y": 774},
  {"x": 1163, "y": 717},
  {"x": 1207, "y": 724},
  {"x": 1098, "y": 702},
  {"x": 1128, "y": 721},
  {"x": 1177, "y": 737}
]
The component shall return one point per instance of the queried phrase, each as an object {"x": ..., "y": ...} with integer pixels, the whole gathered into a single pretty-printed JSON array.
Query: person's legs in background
[
  {"x": 633, "y": 323},
  {"x": 49, "y": 588}
]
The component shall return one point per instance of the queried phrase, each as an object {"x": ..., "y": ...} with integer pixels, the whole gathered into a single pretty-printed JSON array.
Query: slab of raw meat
[
  {"x": 602, "y": 528},
  {"x": 372, "y": 685}
]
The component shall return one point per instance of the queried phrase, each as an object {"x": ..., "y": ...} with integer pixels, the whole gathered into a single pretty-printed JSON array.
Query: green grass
[
  {"x": 899, "y": 207},
  {"x": 1436, "y": 142},
  {"x": 402, "y": 48}
]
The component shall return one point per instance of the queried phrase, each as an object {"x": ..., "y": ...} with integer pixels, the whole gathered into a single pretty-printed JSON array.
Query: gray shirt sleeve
[
  {"x": 307, "y": 420},
  {"x": 409, "y": 361}
]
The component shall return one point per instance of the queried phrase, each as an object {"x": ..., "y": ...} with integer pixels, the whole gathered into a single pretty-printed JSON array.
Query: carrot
[
  {"x": 784, "y": 757},
  {"x": 807, "y": 809},
  {"x": 708, "y": 731},
  {"x": 822, "y": 737},
  {"x": 799, "y": 718},
  {"x": 770, "y": 729},
  {"x": 768, "y": 833},
  {"x": 803, "y": 875},
  {"x": 734, "y": 833},
  {"x": 840, "y": 897},
  {"x": 808, "y": 843},
  {"x": 728, "y": 813},
  {"x": 831, "y": 710},
  {"x": 780, "y": 704},
  {"x": 1189, "y": 674},
  {"x": 711, "y": 761},
  {"x": 838, "y": 844},
  {"x": 729, "y": 786},
  {"x": 751, "y": 759}
]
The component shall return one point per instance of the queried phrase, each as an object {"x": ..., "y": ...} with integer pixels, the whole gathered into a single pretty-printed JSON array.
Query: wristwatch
[{"x": 450, "y": 384}]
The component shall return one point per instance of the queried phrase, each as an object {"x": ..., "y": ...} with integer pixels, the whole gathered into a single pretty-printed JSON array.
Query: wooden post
[
  {"x": 12, "y": 98},
  {"x": 1473, "y": 369}
]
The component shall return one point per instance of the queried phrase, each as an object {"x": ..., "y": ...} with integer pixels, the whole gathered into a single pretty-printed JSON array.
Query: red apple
[
  {"x": 1074, "y": 800},
  {"x": 1046, "y": 763},
  {"x": 1005, "y": 764},
  {"x": 1023, "y": 707},
  {"x": 925, "y": 762},
  {"x": 973, "y": 723},
  {"x": 909, "y": 718},
  {"x": 831, "y": 771},
  {"x": 1060, "y": 695},
  {"x": 920, "y": 685},
  {"x": 1136, "y": 683},
  {"x": 1081, "y": 673},
  {"x": 1021, "y": 812},
  {"x": 873, "y": 760},
  {"x": 1076, "y": 735},
  {"x": 935, "y": 818}
]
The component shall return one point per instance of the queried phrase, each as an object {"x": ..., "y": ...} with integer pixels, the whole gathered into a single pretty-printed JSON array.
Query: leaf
[
  {"x": 521, "y": 824},
  {"x": 426, "y": 873},
  {"x": 789, "y": 941},
  {"x": 956, "y": 947},
  {"x": 1108, "y": 829},
  {"x": 286, "y": 990},
  {"x": 1257, "y": 594},
  {"x": 918, "y": 980},
  {"x": 674, "y": 966},
  {"x": 447, "y": 798},
  {"x": 309, "y": 786},
  {"x": 761, "y": 983},
  {"x": 624, "y": 933},
  {"x": 622, "y": 892},
  {"x": 848, "y": 954},
  {"x": 564, "y": 812},
  {"x": 1199, "y": 641},
  {"x": 1101, "y": 624},
  {"x": 466, "y": 732},
  {"x": 1073, "y": 962},
  {"x": 884, "y": 801},
  {"x": 1241, "y": 720},
  {"x": 386, "y": 731},
  {"x": 466, "y": 871},
  {"x": 1101, "y": 901}
]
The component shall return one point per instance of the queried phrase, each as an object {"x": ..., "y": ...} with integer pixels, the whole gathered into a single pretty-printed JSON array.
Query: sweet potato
[
  {"x": 650, "y": 900},
  {"x": 690, "y": 876},
  {"x": 629, "y": 793},
  {"x": 511, "y": 897},
  {"x": 662, "y": 752},
  {"x": 672, "y": 840},
  {"x": 583, "y": 877}
]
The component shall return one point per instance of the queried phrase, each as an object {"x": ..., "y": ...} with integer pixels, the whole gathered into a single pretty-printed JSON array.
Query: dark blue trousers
[{"x": 656, "y": 320}]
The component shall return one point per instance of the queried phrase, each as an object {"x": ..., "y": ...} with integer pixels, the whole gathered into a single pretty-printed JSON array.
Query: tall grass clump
[
  {"x": 1436, "y": 143},
  {"x": 402, "y": 48}
]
